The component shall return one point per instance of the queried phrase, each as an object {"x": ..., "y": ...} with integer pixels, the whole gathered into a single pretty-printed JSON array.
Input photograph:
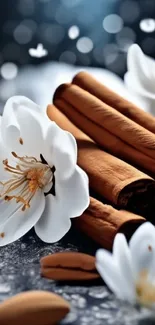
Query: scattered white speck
[
  {"x": 1, "y": 265},
  {"x": 32, "y": 272},
  {"x": 98, "y": 293},
  {"x": 11, "y": 277},
  {"x": 147, "y": 25},
  {"x": 59, "y": 291},
  {"x": 39, "y": 52},
  {"x": 23, "y": 246},
  {"x": 9, "y": 70},
  {"x": 95, "y": 308},
  {"x": 102, "y": 315},
  {"x": 4, "y": 288},
  {"x": 73, "y": 32}
]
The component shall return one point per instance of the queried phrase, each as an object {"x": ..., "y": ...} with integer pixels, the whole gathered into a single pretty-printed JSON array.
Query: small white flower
[
  {"x": 39, "y": 52},
  {"x": 130, "y": 270},
  {"x": 40, "y": 182}
]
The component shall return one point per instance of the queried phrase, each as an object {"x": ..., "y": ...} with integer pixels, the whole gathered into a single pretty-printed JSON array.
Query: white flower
[
  {"x": 37, "y": 158},
  {"x": 140, "y": 77},
  {"x": 39, "y": 52},
  {"x": 130, "y": 270}
]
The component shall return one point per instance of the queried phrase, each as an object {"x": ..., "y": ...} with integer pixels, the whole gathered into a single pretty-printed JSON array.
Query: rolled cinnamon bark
[
  {"x": 109, "y": 176},
  {"x": 108, "y": 96},
  {"x": 107, "y": 140},
  {"x": 104, "y": 116},
  {"x": 102, "y": 222}
]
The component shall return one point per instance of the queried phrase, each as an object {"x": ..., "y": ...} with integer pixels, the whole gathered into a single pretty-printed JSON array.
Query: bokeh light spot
[
  {"x": 147, "y": 25},
  {"x": 52, "y": 33},
  {"x": 22, "y": 34},
  {"x": 68, "y": 57},
  {"x": 84, "y": 45},
  {"x": 9, "y": 70},
  {"x": 26, "y": 7},
  {"x": 110, "y": 53},
  {"x": 129, "y": 11},
  {"x": 113, "y": 23},
  {"x": 73, "y": 32},
  {"x": 125, "y": 38}
]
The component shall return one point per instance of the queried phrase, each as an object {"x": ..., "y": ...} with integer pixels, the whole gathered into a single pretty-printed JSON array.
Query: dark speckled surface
[{"x": 91, "y": 303}]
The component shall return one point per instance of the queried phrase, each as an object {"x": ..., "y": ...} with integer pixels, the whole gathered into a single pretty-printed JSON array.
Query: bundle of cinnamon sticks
[{"x": 116, "y": 148}]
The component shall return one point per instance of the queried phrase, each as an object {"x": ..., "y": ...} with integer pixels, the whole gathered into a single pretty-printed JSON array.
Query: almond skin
[
  {"x": 33, "y": 308},
  {"x": 70, "y": 266}
]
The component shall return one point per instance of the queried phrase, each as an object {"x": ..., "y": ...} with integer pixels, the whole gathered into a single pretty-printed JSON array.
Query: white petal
[
  {"x": 109, "y": 271},
  {"x": 142, "y": 246},
  {"x": 137, "y": 62},
  {"x": 18, "y": 223},
  {"x": 31, "y": 134},
  {"x": 7, "y": 209},
  {"x": 3, "y": 154},
  {"x": 72, "y": 198},
  {"x": 10, "y": 128},
  {"x": 122, "y": 256},
  {"x": 60, "y": 150},
  {"x": 73, "y": 192},
  {"x": 54, "y": 223},
  {"x": 151, "y": 270},
  {"x": 23, "y": 119}
]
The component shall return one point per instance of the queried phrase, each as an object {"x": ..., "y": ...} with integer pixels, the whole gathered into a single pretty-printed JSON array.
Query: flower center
[
  {"x": 26, "y": 178},
  {"x": 145, "y": 290}
]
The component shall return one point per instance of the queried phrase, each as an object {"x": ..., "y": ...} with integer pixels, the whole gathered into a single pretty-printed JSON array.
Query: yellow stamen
[
  {"x": 145, "y": 290},
  {"x": 28, "y": 177}
]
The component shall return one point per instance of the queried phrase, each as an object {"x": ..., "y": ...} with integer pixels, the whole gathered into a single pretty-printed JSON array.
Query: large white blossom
[
  {"x": 140, "y": 77},
  {"x": 130, "y": 270},
  {"x": 40, "y": 182}
]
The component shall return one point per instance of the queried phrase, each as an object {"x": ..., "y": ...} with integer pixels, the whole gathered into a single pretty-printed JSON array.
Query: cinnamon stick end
[
  {"x": 60, "y": 90},
  {"x": 79, "y": 75}
]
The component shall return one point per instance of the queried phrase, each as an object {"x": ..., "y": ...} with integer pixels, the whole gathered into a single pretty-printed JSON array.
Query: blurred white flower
[
  {"x": 40, "y": 182},
  {"x": 140, "y": 77},
  {"x": 39, "y": 52},
  {"x": 130, "y": 270}
]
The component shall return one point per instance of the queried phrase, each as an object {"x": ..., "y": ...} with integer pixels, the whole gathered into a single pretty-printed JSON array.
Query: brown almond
[
  {"x": 33, "y": 308},
  {"x": 69, "y": 266}
]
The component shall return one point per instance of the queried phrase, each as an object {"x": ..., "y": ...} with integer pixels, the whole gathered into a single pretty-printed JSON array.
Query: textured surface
[{"x": 91, "y": 303}]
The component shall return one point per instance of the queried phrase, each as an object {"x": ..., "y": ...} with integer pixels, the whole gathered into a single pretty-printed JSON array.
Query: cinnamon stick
[
  {"x": 109, "y": 176},
  {"x": 104, "y": 116},
  {"x": 107, "y": 140},
  {"x": 102, "y": 222},
  {"x": 108, "y": 96}
]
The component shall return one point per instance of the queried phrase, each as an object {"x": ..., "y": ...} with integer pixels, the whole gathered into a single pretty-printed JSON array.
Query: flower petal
[
  {"x": 16, "y": 223},
  {"x": 54, "y": 223},
  {"x": 73, "y": 192},
  {"x": 137, "y": 63},
  {"x": 72, "y": 198},
  {"x": 23, "y": 126},
  {"x": 122, "y": 256},
  {"x": 60, "y": 150},
  {"x": 142, "y": 246},
  {"x": 4, "y": 154},
  {"x": 112, "y": 273},
  {"x": 108, "y": 269}
]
